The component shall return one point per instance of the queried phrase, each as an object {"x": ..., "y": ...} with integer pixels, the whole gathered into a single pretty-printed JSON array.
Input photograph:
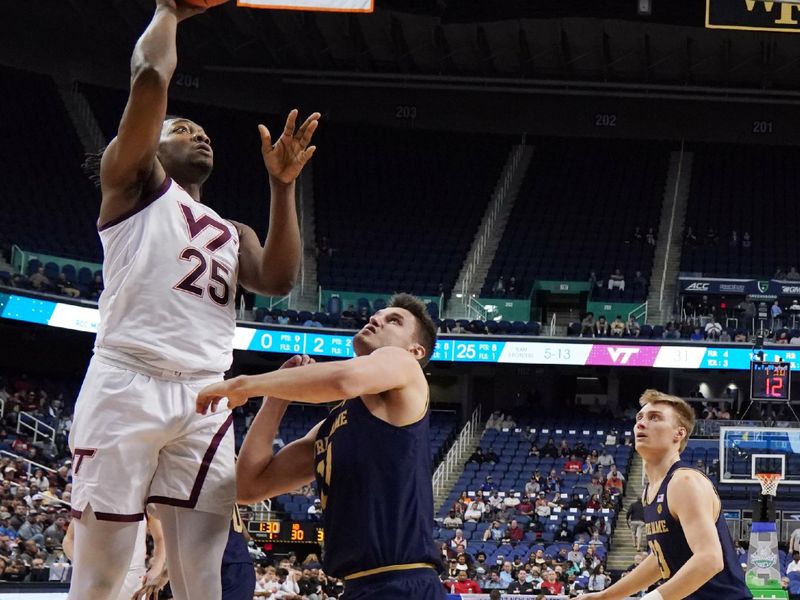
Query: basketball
[{"x": 204, "y": 3}]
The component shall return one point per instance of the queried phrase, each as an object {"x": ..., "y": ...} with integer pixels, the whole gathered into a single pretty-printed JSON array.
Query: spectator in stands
[
  {"x": 495, "y": 582},
  {"x": 493, "y": 533},
  {"x": 495, "y": 421},
  {"x": 650, "y": 238},
  {"x": 95, "y": 288},
  {"x": 733, "y": 241},
  {"x": 794, "y": 541},
  {"x": 494, "y": 504},
  {"x": 507, "y": 573},
  {"x": 776, "y": 312},
  {"x": 618, "y": 327},
  {"x": 792, "y": 275},
  {"x": 525, "y": 507},
  {"x": 689, "y": 238},
  {"x": 475, "y": 511},
  {"x": 713, "y": 329},
  {"x": 594, "y": 502},
  {"x": 637, "y": 234},
  {"x": 534, "y": 450},
  {"x": 315, "y": 511},
  {"x": 575, "y": 556},
  {"x": 725, "y": 336},
  {"x": 511, "y": 288},
  {"x": 499, "y": 287},
  {"x": 476, "y": 457},
  {"x": 573, "y": 465},
  {"x": 543, "y": 506},
  {"x": 452, "y": 521},
  {"x": 632, "y": 327},
  {"x": 521, "y": 585},
  {"x": 564, "y": 450},
  {"x": 463, "y": 585},
  {"x": 577, "y": 502},
  {"x": 66, "y": 287},
  {"x": 594, "y": 487},
  {"x": 615, "y": 481},
  {"x": 491, "y": 456},
  {"x": 41, "y": 282},
  {"x": 513, "y": 534},
  {"x": 779, "y": 273},
  {"x": 488, "y": 484},
  {"x": 635, "y": 519},
  {"x": 698, "y": 335},
  {"x": 587, "y": 325},
  {"x": 552, "y": 585},
  {"x": 712, "y": 239},
  {"x": 606, "y": 459},
  {"x": 553, "y": 482},
  {"x": 324, "y": 248},
  {"x": 747, "y": 241},
  {"x": 458, "y": 540},
  {"x": 598, "y": 580},
  {"x": 794, "y": 565},
  {"x": 549, "y": 449},
  {"x": 534, "y": 486},
  {"x": 616, "y": 281},
  {"x": 601, "y": 328}
]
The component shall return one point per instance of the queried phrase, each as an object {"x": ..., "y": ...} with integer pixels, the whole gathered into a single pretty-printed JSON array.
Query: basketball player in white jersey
[{"x": 171, "y": 266}]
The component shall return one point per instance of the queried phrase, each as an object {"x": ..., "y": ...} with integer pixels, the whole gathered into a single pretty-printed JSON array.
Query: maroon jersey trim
[{"x": 143, "y": 203}]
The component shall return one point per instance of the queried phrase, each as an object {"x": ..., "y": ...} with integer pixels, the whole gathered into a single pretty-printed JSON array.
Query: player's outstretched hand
[
  {"x": 152, "y": 583},
  {"x": 238, "y": 389},
  {"x": 286, "y": 158}
]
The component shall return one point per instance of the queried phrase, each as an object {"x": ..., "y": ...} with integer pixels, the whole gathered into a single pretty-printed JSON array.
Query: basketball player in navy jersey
[
  {"x": 370, "y": 456},
  {"x": 692, "y": 552},
  {"x": 171, "y": 266}
]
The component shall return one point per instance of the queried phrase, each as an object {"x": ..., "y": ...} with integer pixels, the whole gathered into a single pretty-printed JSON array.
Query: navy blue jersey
[
  {"x": 238, "y": 572},
  {"x": 374, "y": 482},
  {"x": 667, "y": 541}
]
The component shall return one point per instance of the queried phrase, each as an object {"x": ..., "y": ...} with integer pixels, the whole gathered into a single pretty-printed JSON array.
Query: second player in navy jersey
[
  {"x": 370, "y": 457},
  {"x": 691, "y": 550}
]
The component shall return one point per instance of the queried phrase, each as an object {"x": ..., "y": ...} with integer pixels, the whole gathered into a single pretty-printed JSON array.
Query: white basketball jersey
[{"x": 170, "y": 270}]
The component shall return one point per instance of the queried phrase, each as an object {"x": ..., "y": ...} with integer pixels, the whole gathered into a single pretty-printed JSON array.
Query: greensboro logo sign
[{"x": 753, "y": 15}]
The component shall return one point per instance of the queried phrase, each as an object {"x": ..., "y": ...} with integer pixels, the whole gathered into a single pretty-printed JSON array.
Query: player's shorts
[
  {"x": 419, "y": 584},
  {"x": 137, "y": 439},
  {"x": 133, "y": 581},
  {"x": 238, "y": 581}
]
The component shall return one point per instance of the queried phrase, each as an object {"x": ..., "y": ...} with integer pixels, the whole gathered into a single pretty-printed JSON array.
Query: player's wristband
[{"x": 654, "y": 595}]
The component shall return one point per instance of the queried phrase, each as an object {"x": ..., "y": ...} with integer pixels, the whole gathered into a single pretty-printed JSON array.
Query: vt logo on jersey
[{"x": 196, "y": 226}]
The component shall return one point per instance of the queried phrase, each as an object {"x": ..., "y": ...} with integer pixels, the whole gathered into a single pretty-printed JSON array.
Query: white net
[{"x": 769, "y": 483}]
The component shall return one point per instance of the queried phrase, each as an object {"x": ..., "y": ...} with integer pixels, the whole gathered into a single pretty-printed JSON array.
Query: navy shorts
[
  {"x": 238, "y": 581},
  {"x": 419, "y": 584}
]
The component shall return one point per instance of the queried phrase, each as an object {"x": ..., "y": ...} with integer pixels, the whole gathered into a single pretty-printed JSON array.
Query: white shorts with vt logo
[{"x": 137, "y": 439}]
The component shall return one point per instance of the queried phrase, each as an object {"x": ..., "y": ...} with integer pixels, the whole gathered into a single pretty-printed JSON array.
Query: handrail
[
  {"x": 669, "y": 233},
  {"x": 38, "y": 425},
  {"x": 454, "y": 457},
  {"x": 29, "y": 461},
  {"x": 553, "y": 325},
  {"x": 499, "y": 197},
  {"x": 639, "y": 311}
]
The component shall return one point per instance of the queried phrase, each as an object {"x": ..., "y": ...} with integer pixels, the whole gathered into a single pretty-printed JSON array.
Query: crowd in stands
[
  {"x": 549, "y": 534},
  {"x": 50, "y": 279}
]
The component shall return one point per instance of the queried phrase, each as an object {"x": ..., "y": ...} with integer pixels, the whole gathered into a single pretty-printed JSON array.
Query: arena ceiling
[{"x": 523, "y": 40}]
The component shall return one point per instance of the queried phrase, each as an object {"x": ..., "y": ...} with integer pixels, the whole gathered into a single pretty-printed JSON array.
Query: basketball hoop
[{"x": 769, "y": 483}]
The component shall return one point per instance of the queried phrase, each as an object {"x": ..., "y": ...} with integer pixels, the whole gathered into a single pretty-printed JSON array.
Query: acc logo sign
[
  {"x": 621, "y": 356},
  {"x": 698, "y": 287}
]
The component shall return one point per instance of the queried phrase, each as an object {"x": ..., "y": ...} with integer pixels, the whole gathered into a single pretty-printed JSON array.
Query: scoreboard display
[
  {"x": 289, "y": 532},
  {"x": 770, "y": 381}
]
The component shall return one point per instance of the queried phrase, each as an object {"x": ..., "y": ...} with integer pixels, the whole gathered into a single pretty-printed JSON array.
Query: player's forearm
[
  {"x": 312, "y": 384},
  {"x": 280, "y": 259},
  {"x": 641, "y": 578},
  {"x": 257, "y": 450},
  {"x": 156, "y": 48},
  {"x": 691, "y": 576}
]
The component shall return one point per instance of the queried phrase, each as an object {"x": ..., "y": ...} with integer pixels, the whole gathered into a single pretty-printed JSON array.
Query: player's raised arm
[
  {"x": 385, "y": 369},
  {"x": 272, "y": 269},
  {"x": 641, "y": 578},
  {"x": 129, "y": 168}
]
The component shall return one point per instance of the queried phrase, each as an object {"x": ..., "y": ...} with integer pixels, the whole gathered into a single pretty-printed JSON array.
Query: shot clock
[
  {"x": 290, "y": 532},
  {"x": 770, "y": 381}
]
